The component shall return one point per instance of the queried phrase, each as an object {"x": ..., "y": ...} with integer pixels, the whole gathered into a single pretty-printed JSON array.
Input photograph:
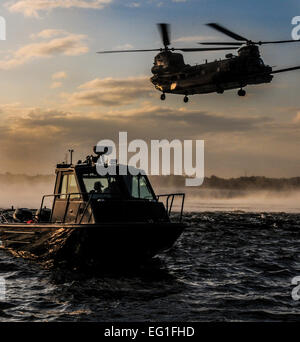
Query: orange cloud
[
  {"x": 110, "y": 92},
  {"x": 69, "y": 45},
  {"x": 297, "y": 118},
  {"x": 31, "y": 8}
]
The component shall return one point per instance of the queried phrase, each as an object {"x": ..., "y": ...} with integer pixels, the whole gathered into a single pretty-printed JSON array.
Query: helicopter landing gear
[
  {"x": 163, "y": 97},
  {"x": 185, "y": 99},
  {"x": 241, "y": 92}
]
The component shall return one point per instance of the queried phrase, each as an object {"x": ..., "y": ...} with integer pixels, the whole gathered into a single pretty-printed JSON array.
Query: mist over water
[
  {"x": 259, "y": 201},
  {"x": 234, "y": 200},
  {"x": 28, "y": 194},
  {"x": 24, "y": 195}
]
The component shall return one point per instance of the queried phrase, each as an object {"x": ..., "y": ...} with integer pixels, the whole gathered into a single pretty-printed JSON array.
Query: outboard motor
[{"x": 22, "y": 215}]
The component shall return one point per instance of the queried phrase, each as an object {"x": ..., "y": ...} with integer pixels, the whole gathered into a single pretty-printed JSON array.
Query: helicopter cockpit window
[
  {"x": 138, "y": 187},
  {"x": 105, "y": 187},
  {"x": 159, "y": 61}
]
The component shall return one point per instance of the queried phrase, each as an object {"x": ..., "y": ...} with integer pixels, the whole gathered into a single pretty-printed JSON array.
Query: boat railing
[
  {"x": 168, "y": 200},
  {"x": 68, "y": 198}
]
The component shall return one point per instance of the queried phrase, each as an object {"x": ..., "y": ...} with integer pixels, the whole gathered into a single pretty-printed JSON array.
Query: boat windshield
[
  {"x": 105, "y": 187},
  {"x": 138, "y": 187}
]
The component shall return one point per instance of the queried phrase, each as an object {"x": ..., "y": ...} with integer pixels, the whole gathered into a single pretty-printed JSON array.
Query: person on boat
[
  {"x": 112, "y": 188},
  {"x": 97, "y": 188}
]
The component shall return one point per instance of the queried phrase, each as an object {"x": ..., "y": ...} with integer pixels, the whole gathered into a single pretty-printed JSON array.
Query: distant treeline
[{"x": 213, "y": 182}]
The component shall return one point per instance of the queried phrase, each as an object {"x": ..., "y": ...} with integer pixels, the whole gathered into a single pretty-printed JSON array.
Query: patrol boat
[{"x": 94, "y": 220}]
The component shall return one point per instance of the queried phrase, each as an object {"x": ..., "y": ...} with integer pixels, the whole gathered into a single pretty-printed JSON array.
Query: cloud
[
  {"x": 49, "y": 33},
  {"x": 56, "y": 85},
  {"x": 31, "y": 8},
  {"x": 110, "y": 92},
  {"x": 297, "y": 118},
  {"x": 68, "y": 44},
  {"x": 59, "y": 75},
  {"x": 34, "y": 139},
  {"x": 134, "y": 5},
  {"x": 124, "y": 47}
]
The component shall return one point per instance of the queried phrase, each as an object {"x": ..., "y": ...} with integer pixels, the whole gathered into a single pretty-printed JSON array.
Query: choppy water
[{"x": 227, "y": 266}]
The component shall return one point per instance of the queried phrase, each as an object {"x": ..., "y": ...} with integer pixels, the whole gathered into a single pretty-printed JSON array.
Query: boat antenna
[{"x": 71, "y": 156}]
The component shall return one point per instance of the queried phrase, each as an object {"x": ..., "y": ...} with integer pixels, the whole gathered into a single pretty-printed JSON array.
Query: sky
[{"x": 57, "y": 93}]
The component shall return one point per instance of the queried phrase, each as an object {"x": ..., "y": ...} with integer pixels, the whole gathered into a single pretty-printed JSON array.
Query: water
[{"x": 227, "y": 266}]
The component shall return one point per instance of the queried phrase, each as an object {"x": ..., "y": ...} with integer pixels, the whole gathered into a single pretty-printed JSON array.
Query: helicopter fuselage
[{"x": 172, "y": 75}]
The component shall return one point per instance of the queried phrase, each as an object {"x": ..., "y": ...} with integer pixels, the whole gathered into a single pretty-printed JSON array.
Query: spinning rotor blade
[
  {"x": 165, "y": 33},
  {"x": 284, "y": 70},
  {"x": 204, "y": 49},
  {"x": 240, "y": 38},
  {"x": 172, "y": 49},
  {"x": 219, "y": 43},
  {"x": 277, "y": 42},
  {"x": 227, "y": 32},
  {"x": 118, "y": 51},
  {"x": 256, "y": 43}
]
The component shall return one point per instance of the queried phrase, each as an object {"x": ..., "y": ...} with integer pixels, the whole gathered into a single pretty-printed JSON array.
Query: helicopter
[{"x": 172, "y": 76}]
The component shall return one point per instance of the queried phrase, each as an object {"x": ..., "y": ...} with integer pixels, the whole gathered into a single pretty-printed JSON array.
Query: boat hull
[{"x": 85, "y": 245}]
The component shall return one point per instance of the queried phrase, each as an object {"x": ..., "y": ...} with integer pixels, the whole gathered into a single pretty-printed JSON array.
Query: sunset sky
[{"x": 57, "y": 93}]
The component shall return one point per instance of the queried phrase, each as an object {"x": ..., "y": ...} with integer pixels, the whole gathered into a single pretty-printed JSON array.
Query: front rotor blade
[
  {"x": 165, "y": 33},
  {"x": 227, "y": 32},
  {"x": 204, "y": 49},
  {"x": 284, "y": 70},
  {"x": 220, "y": 43},
  {"x": 278, "y": 42},
  {"x": 118, "y": 51}
]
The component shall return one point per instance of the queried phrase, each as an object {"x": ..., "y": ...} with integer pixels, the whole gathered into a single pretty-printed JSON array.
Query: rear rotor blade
[
  {"x": 227, "y": 32},
  {"x": 277, "y": 42},
  {"x": 284, "y": 70},
  {"x": 165, "y": 33},
  {"x": 119, "y": 51}
]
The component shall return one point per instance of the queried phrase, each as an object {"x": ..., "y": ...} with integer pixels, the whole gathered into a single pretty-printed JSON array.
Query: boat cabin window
[
  {"x": 138, "y": 187},
  {"x": 105, "y": 187},
  {"x": 69, "y": 186}
]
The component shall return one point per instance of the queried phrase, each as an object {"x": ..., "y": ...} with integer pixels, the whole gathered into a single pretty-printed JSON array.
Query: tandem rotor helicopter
[{"x": 173, "y": 76}]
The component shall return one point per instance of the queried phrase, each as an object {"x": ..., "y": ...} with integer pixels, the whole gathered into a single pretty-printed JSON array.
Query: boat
[{"x": 94, "y": 220}]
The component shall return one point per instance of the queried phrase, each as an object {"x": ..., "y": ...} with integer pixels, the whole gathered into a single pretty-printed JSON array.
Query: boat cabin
[{"x": 81, "y": 195}]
